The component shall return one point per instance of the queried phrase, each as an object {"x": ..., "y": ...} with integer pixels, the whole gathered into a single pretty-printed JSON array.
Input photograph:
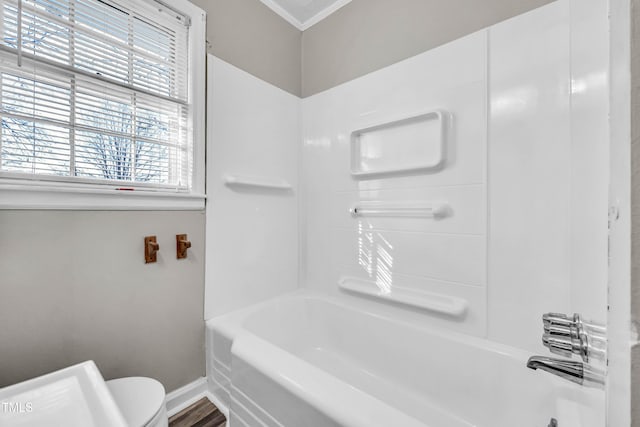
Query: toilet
[{"x": 141, "y": 401}]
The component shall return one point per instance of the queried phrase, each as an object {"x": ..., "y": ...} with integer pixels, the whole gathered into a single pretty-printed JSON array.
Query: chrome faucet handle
[
  {"x": 550, "y": 320},
  {"x": 565, "y": 335},
  {"x": 557, "y": 319},
  {"x": 567, "y": 346},
  {"x": 557, "y": 330},
  {"x": 558, "y": 345}
]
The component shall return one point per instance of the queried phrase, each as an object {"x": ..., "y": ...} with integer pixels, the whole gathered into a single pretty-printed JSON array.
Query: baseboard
[
  {"x": 221, "y": 406},
  {"x": 189, "y": 394},
  {"x": 183, "y": 397}
]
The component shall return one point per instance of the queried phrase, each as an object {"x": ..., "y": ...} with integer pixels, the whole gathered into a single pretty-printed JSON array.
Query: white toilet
[{"x": 141, "y": 401}]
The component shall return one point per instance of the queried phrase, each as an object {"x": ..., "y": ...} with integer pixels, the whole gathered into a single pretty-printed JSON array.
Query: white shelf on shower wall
[
  {"x": 256, "y": 182},
  {"x": 443, "y": 304}
]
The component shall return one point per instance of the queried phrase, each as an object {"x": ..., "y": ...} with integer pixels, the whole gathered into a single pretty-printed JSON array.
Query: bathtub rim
[{"x": 232, "y": 324}]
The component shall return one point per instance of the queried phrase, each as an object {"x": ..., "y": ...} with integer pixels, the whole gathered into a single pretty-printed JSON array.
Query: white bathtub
[{"x": 306, "y": 360}]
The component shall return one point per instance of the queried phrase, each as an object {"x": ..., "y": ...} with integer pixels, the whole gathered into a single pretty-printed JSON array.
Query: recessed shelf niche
[{"x": 409, "y": 145}]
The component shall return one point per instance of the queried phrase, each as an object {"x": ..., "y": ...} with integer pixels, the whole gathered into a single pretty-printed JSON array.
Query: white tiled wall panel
[
  {"x": 252, "y": 235},
  {"x": 589, "y": 157},
  {"x": 529, "y": 173},
  {"x": 449, "y": 257},
  {"x": 526, "y": 177},
  {"x": 547, "y": 169},
  {"x": 406, "y": 253}
]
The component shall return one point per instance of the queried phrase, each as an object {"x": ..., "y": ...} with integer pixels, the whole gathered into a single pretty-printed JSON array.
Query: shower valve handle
[{"x": 566, "y": 335}]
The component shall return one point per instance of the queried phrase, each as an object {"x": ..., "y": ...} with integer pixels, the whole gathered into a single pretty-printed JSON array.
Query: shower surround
[{"x": 379, "y": 310}]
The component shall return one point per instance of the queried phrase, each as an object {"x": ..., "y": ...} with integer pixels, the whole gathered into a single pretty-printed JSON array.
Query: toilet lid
[{"x": 138, "y": 398}]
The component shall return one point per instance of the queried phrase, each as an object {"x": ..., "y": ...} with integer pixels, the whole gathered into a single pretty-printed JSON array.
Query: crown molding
[{"x": 302, "y": 26}]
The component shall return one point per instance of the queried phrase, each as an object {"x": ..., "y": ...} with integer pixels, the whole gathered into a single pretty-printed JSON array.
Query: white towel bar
[{"x": 430, "y": 210}]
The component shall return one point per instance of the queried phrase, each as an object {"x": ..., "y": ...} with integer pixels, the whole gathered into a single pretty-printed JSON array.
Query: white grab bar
[{"x": 431, "y": 210}]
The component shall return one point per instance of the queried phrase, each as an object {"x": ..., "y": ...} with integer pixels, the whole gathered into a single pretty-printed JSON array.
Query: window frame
[{"x": 42, "y": 193}]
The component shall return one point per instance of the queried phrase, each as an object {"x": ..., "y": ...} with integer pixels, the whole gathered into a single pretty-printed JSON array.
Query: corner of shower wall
[{"x": 252, "y": 190}]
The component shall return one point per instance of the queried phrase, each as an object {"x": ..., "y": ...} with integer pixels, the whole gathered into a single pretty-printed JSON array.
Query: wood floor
[{"x": 201, "y": 414}]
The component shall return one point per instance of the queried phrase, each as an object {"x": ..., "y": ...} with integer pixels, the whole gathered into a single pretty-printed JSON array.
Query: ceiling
[{"x": 304, "y": 13}]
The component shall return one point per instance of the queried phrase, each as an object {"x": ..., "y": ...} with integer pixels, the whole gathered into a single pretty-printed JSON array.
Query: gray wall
[
  {"x": 361, "y": 37},
  {"x": 249, "y": 35},
  {"x": 366, "y": 35},
  {"x": 74, "y": 286}
]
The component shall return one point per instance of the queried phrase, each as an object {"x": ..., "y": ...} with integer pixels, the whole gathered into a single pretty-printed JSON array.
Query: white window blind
[{"x": 95, "y": 91}]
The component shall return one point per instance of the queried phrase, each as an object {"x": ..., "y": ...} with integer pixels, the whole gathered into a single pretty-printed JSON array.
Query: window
[{"x": 101, "y": 95}]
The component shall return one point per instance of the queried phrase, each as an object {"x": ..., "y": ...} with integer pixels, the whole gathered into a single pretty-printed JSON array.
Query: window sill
[{"x": 36, "y": 197}]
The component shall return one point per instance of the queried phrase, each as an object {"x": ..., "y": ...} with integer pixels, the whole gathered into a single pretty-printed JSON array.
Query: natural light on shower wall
[{"x": 94, "y": 92}]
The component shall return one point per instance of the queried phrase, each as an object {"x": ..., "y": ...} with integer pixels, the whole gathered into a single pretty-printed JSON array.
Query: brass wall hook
[
  {"x": 151, "y": 248},
  {"x": 182, "y": 244}
]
